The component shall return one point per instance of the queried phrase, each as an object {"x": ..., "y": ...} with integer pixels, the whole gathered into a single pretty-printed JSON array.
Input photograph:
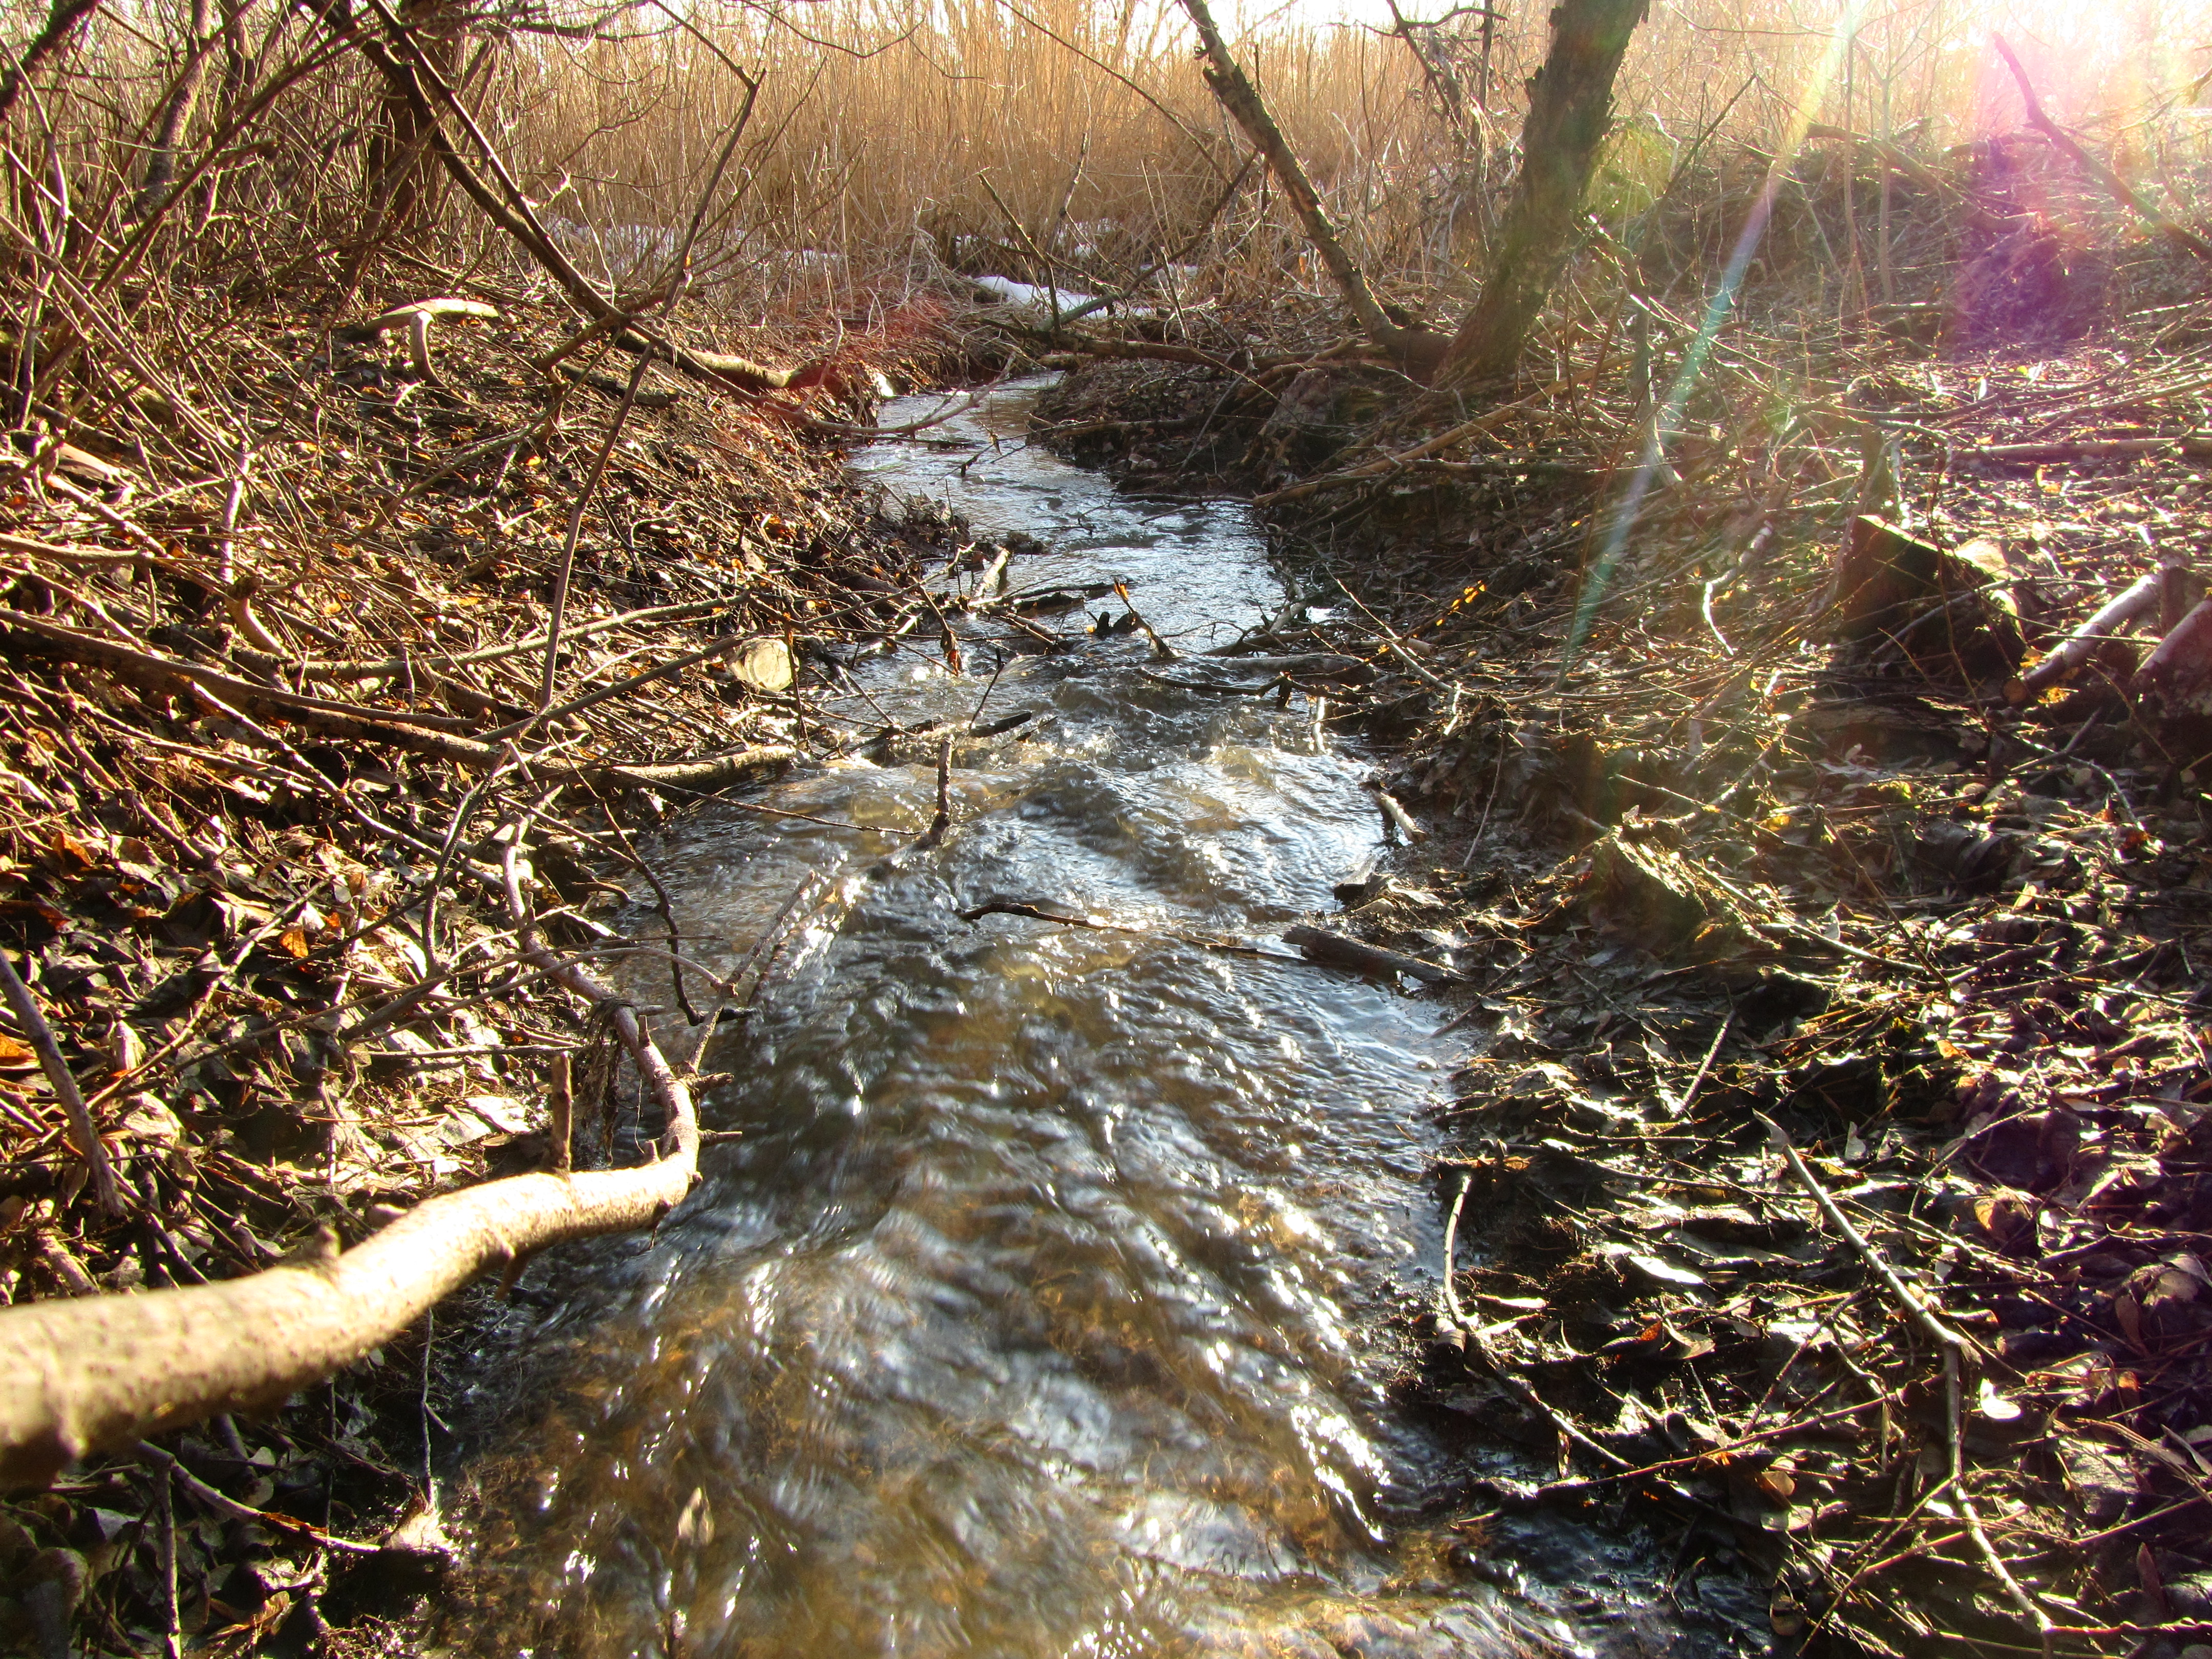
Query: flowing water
[{"x": 1037, "y": 1308}]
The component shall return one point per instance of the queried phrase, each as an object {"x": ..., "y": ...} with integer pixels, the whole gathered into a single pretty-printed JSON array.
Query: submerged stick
[{"x": 1316, "y": 944}]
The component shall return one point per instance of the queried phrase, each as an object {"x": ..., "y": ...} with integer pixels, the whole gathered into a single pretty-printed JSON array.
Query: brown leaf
[
  {"x": 75, "y": 851},
  {"x": 1779, "y": 1481},
  {"x": 2129, "y": 1314},
  {"x": 293, "y": 943},
  {"x": 14, "y": 1055}
]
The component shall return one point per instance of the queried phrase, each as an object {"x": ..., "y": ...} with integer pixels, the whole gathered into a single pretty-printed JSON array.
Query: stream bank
[
  {"x": 1051, "y": 1293},
  {"x": 1711, "y": 859},
  {"x": 250, "y": 875}
]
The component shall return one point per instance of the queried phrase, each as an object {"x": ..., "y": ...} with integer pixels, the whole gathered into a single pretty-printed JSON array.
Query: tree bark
[
  {"x": 103, "y": 1372},
  {"x": 402, "y": 177},
  {"x": 60, "y": 22},
  {"x": 176, "y": 113},
  {"x": 1569, "y": 104}
]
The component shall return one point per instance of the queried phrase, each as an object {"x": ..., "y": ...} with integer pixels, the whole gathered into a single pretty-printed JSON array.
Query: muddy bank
[
  {"x": 1727, "y": 870},
  {"x": 276, "y": 711}
]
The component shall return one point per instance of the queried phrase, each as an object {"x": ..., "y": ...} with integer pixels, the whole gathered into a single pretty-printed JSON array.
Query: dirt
[
  {"x": 217, "y": 897},
  {"x": 1720, "y": 876}
]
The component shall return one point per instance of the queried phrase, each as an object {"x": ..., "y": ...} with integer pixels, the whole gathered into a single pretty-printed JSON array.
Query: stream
[{"x": 1039, "y": 1306}]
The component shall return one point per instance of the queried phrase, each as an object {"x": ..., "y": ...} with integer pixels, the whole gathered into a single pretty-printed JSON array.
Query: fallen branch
[
  {"x": 229, "y": 1507},
  {"x": 2179, "y": 234},
  {"x": 2077, "y": 648},
  {"x": 1325, "y": 665},
  {"x": 99, "y": 1373},
  {"x": 1386, "y": 463},
  {"x": 417, "y": 320},
  {"x": 2190, "y": 446},
  {"x": 647, "y": 398},
  {"x": 2183, "y": 660},
  {"x": 422, "y": 733},
  {"x": 1954, "y": 1347},
  {"x": 1316, "y": 944},
  {"x": 1242, "y": 102},
  {"x": 1919, "y": 172},
  {"x": 396, "y": 667},
  {"x": 1002, "y": 906},
  {"x": 63, "y": 1081},
  {"x": 413, "y": 78}
]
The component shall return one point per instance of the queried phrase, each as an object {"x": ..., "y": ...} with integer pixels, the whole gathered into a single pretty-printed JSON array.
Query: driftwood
[
  {"x": 102, "y": 1372},
  {"x": 1316, "y": 944},
  {"x": 417, "y": 320},
  {"x": 2077, "y": 648}
]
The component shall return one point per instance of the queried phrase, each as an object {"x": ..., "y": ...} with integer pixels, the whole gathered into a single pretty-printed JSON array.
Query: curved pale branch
[{"x": 99, "y": 1373}]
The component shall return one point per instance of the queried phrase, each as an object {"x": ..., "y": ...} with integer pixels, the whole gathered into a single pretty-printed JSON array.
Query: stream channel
[{"x": 1039, "y": 1307}]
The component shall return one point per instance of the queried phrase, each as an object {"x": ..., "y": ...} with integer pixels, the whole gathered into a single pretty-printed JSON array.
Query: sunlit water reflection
[{"x": 1036, "y": 1309}]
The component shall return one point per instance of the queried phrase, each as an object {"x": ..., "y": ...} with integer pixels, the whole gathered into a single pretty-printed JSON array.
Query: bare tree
[
  {"x": 1569, "y": 107},
  {"x": 161, "y": 176}
]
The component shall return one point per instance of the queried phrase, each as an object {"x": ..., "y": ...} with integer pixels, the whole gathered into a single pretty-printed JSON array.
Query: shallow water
[{"x": 1037, "y": 1309}]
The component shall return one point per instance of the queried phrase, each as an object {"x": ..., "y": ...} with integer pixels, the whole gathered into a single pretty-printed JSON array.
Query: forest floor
[
  {"x": 1834, "y": 1182},
  {"x": 258, "y": 758}
]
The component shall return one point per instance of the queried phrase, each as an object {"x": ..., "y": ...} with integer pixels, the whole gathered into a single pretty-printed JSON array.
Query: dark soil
[{"x": 1717, "y": 875}]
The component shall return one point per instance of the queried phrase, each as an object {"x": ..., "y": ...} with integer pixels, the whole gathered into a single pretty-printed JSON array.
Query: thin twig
[{"x": 63, "y": 1083}]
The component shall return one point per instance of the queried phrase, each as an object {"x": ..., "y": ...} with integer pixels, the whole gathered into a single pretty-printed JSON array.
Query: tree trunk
[
  {"x": 169, "y": 130},
  {"x": 402, "y": 180},
  {"x": 1570, "y": 103}
]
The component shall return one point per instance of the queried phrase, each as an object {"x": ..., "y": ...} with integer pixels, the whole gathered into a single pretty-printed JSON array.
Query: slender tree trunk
[
  {"x": 1570, "y": 103},
  {"x": 176, "y": 113},
  {"x": 60, "y": 22},
  {"x": 239, "y": 71},
  {"x": 1242, "y": 102},
  {"x": 402, "y": 174}
]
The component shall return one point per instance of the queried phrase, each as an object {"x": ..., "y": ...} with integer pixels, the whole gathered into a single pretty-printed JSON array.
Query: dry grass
[{"x": 890, "y": 138}]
